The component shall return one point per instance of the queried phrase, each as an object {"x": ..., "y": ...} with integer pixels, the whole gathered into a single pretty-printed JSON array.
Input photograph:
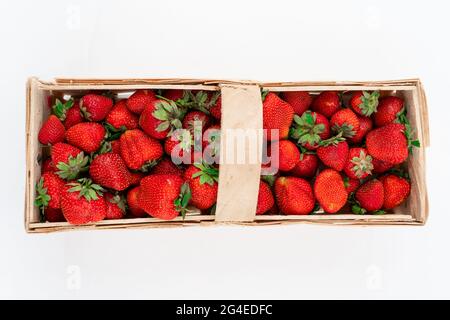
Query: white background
[{"x": 264, "y": 40}]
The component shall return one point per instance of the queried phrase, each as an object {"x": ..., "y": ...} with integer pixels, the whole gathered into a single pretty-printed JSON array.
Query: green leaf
[
  {"x": 160, "y": 114},
  {"x": 163, "y": 126}
]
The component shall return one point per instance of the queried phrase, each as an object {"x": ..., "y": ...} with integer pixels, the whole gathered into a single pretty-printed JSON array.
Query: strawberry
[
  {"x": 115, "y": 146},
  {"x": 83, "y": 202},
  {"x": 138, "y": 150},
  {"x": 396, "y": 190},
  {"x": 277, "y": 115},
  {"x": 388, "y": 143},
  {"x": 334, "y": 152},
  {"x": 48, "y": 166},
  {"x": 88, "y": 136},
  {"x": 54, "y": 215},
  {"x": 216, "y": 109},
  {"x": 365, "y": 125},
  {"x": 179, "y": 146},
  {"x": 265, "y": 198},
  {"x": 208, "y": 102},
  {"x": 306, "y": 167},
  {"x": 351, "y": 184},
  {"x": 388, "y": 110},
  {"x": 115, "y": 206},
  {"x": 380, "y": 166},
  {"x": 69, "y": 160},
  {"x": 211, "y": 144},
  {"x": 165, "y": 166},
  {"x": 48, "y": 191},
  {"x": 364, "y": 103},
  {"x": 359, "y": 164},
  {"x": 68, "y": 112},
  {"x": 329, "y": 189},
  {"x": 52, "y": 131},
  {"x": 121, "y": 117},
  {"x": 175, "y": 94},
  {"x": 196, "y": 122},
  {"x": 163, "y": 196},
  {"x": 310, "y": 129},
  {"x": 299, "y": 100},
  {"x": 160, "y": 118},
  {"x": 133, "y": 205},
  {"x": 95, "y": 107},
  {"x": 140, "y": 100},
  {"x": 327, "y": 103},
  {"x": 203, "y": 183},
  {"x": 370, "y": 197},
  {"x": 288, "y": 155},
  {"x": 345, "y": 121},
  {"x": 135, "y": 178},
  {"x": 294, "y": 195},
  {"x": 110, "y": 171}
]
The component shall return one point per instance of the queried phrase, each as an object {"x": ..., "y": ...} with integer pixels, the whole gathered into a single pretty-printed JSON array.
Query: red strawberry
[
  {"x": 370, "y": 197},
  {"x": 351, "y": 184},
  {"x": 140, "y": 100},
  {"x": 388, "y": 110},
  {"x": 68, "y": 112},
  {"x": 95, "y": 107},
  {"x": 364, "y": 103},
  {"x": 288, "y": 155},
  {"x": 54, "y": 215},
  {"x": 179, "y": 146},
  {"x": 388, "y": 143},
  {"x": 345, "y": 121},
  {"x": 133, "y": 205},
  {"x": 327, "y": 103},
  {"x": 163, "y": 196},
  {"x": 110, "y": 171},
  {"x": 265, "y": 198},
  {"x": 138, "y": 150},
  {"x": 165, "y": 166},
  {"x": 299, "y": 100},
  {"x": 396, "y": 190},
  {"x": 161, "y": 118},
  {"x": 203, "y": 183},
  {"x": 277, "y": 115},
  {"x": 115, "y": 146},
  {"x": 306, "y": 167},
  {"x": 48, "y": 166},
  {"x": 174, "y": 94},
  {"x": 216, "y": 109},
  {"x": 329, "y": 189},
  {"x": 69, "y": 160},
  {"x": 48, "y": 191},
  {"x": 365, "y": 125},
  {"x": 294, "y": 195},
  {"x": 88, "y": 136},
  {"x": 115, "y": 206},
  {"x": 196, "y": 120},
  {"x": 380, "y": 166},
  {"x": 334, "y": 153},
  {"x": 52, "y": 131},
  {"x": 135, "y": 178},
  {"x": 359, "y": 164},
  {"x": 120, "y": 117},
  {"x": 82, "y": 202},
  {"x": 310, "y": 129}
]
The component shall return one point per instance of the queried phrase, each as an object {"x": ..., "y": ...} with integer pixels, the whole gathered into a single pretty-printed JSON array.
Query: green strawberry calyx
[
  {"x": 347, "y": 130},
  {"x": 42, "y": 198},
  {"x": 335, "y": 140},
  {"x": 183, "y": 199},
  {"x": 305, "y": 129},
  {"x": 362, "y": 164},
  {"x": 73, "y": 167},
  {"x": 60, "y": 109},
  {"x": 207, "y": 174},
  {"x": 86, "y": 188},
  {"x": 369, "y": 103},
  {"x": 120, "y": 201},
  {"x": 408, "y": 132},
  {"x": 169, "y": 114}
]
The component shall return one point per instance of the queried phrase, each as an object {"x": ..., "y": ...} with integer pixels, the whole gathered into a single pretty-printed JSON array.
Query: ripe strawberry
[
  {"x": 329, "y": 189},
  {"x": 203, "y": 183},
  {"x": 140, "y": 100},
  {"x": 83, "y": 202},
  {"x": 380, "y": 166},
  {"x": 278, "y": 115},
  {"x": 48, "y": 191},
  {"x": 396, "y": 190},
  {"x": 388, "y": 143},
  {"x": 310, "y": 129},
  {"x": 388, "y": 110},
  {"x": 135, "y": 178},
  {"x": 351, "y": 184},
  {"x": 288, "y": 155},
  {"x": 115, "y": 146},
  {"x": 265, "y": 198},
  {"x": 69, "y": 161},
  {"x": 294, "y": 195},
  {"x": 299, "y": 100},
  {"x": 359, "y": 164},
  {"x": 115, "y": 206},
  {"x": 110, "y": 171},
  {"x": 48, "y": 166},
  {"x": 196, "y": 122},
  {"x": 334, "y": 152},
  {"x": 88, "y": 136},
  {"x": 68, "y": 112},
  {"x": 174, "y": 94},
  {"x": 52, "y": 131},
  {"x": 160, "y": 118},
  {"x": 163, "y": 196},
  {"x": 345, "y": 121},
  {"x": 138, "y": 150},
  {"x": 179, "y": 146},
  {"x": 306, "y": 167},
  {"x": 327, "y": 103},
  {"x": 216, "y": 109},
  {"x": 120, "y": 117},
  {"x": 370, "y": 197},
  {"x": 365, "y": 125},
  {"x": 95, "y": 107},
  {"x": 53, "y": 215},
  {"x": 364, "y": 103},
  {"x": 165, "y": 166},
  {"x": 133, "y": 205}
]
